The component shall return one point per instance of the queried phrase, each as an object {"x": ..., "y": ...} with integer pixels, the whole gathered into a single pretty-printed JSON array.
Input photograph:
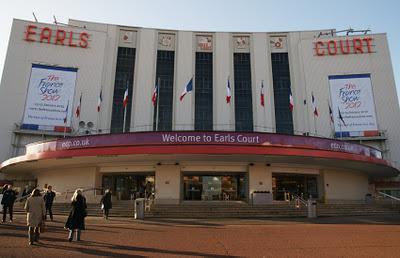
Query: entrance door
[
  {"x": 285, "y": 185},
  {"x": 129, "y": 186},
  {"x": 215, "y": 187}
]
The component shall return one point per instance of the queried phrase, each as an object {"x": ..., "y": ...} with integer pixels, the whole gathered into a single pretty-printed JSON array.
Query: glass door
[{"x": 215, "y": 187}]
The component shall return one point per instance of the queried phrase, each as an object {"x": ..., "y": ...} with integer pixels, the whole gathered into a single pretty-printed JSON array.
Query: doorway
[
  {"x": 286, "y": 185},
  {"x": 215, "y": 187},
  {"x": 129, "y": 186}
]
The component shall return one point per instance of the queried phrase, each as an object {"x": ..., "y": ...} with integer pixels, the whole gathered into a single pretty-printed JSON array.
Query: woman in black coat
[
  {"x": 106, "y": 203},
  {"x": 76, "y": 218}
]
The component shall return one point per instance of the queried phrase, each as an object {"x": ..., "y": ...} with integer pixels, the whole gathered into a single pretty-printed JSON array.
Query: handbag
[
  {"x": 42, "y": 226},
  {"x": 102, "y": 206}
]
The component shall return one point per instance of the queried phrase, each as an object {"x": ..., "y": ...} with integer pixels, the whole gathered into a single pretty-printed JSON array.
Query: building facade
[{"x": 198, "y": 116}]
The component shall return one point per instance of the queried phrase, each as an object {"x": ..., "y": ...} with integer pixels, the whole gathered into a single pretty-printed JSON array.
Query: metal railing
[
  {"x": 384, "y": 198},
  {"x": 298, "y": 201}
]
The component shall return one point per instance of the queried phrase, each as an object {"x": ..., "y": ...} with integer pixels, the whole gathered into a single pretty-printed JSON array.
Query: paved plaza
[{"x": 123, "y": 237}]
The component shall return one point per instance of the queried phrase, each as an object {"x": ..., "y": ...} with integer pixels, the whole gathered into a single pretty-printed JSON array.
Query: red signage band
[
  {"x": 60, "y": 37},
  {"x": 201, "y": 138},
  {"x": 334, "y": 47}
]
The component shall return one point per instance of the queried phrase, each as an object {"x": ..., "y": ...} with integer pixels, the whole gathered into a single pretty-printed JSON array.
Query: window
[
  {"x": 204, "y": 92},
  {"x": 281, "y": 81},
  {"x": 123, "y": 78},
  {"x": 165, "y": 74},
  {"x": 243, "y": 94}
]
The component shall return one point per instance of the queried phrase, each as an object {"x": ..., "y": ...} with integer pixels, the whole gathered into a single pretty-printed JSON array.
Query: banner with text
[
  {"x": 352, "y": 95},
  {"x": 51, "y": 89}
]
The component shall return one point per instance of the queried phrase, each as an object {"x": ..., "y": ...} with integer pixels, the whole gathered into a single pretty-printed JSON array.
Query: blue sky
[{"x": 217, "y": 15}]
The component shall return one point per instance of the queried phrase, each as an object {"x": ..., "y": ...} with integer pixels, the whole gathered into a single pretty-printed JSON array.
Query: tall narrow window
[
  {"x": 123, "y": 78},
  {"x": 243, "y": 95},
  {"x": 165, "y": 76},
  {"x": 203, "y": 120},
  {"x": 281, "y": 80}
]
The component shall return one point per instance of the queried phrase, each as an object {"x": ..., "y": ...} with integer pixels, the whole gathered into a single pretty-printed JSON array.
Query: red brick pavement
[{"x": 119, "y": 237}]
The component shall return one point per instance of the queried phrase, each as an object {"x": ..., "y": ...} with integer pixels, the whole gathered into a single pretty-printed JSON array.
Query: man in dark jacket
[
  {"x": 106, "y": 203},
  {"x": 8, "y": 200},
  {"x": 48, "y": 200}
]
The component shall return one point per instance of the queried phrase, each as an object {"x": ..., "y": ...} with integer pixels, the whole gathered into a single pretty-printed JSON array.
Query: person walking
[
  {"x": 36, "y": 210},
  {"x": 76, "y": 218},
  {"x": 49, "y": 199},
  {"x": 8, "y": 200},
  {"x": 106, "y": 203}
]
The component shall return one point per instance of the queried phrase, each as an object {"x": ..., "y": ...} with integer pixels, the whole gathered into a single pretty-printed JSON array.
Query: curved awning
[{"x": 201, "y": 146}]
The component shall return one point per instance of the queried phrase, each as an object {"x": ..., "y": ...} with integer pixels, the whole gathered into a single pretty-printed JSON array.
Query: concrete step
[{"x": 228, "y": 210}]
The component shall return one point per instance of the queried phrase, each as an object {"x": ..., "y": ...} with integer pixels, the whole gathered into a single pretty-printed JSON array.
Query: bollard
[
  {"x": 311, "y": 208},
  {"x": 139, "y": 208}
]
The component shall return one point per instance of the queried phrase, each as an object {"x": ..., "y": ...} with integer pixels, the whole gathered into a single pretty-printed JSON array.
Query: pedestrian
[
  {"x": 148, "y": 190},
  {"x": 76, "y": 218},
  {"x": 106, "y": 203},
  {"x": 36, "y": 210},
  {"x": 8, "y": 200},
  {"x": 48, "y": 199}
]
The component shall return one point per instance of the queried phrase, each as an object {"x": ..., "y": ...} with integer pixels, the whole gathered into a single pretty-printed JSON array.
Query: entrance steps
[{"x": 229, "y": 210}]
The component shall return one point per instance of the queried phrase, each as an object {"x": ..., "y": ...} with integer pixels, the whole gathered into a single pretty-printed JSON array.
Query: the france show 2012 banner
[
  {"x": 50, "y": 96},
  {"x": 352, "y": 103}
]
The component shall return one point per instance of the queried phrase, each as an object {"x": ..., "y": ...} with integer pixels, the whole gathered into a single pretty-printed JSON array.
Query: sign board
[
  {"x": 263, "y": 140},
  {"x": 352, "y": 95},
  {"x": 344, "y": 46},
  {"x": 59, "y": 36},
  {"x": 51, "y": 89}
]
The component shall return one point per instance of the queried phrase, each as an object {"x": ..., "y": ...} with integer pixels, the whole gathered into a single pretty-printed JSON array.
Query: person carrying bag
[{"x": 36, "y": 210}]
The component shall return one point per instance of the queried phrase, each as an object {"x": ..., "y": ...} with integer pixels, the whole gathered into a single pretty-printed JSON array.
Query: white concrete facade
[
  {"x": 97, "y": 68},
  {"x": 97, "y": 63}
]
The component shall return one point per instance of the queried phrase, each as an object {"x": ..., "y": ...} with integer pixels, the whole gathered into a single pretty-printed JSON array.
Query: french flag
[
  {"x": 314, "y": 104},
  {"x": 125, "y": 100},
  {"x": 291, "y": 101},
  {"x": 228, "y": 92},
  {"x": 66, "y": 114},
  {"x": 262, "y": 94},
  {"x": 99, "y": 101},
  {"x": 187, "y": 89},
  {"x": 78, "y": 108},
  {"x": 155, "y": 95},
  {"x": 330, "y": 113},
  {"x": 341, "y": 117}
]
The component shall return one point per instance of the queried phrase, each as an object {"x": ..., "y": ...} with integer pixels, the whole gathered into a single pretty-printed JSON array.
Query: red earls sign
[
  {"x": 61, "y": 37},
  {"x": 335, "y": 47}
]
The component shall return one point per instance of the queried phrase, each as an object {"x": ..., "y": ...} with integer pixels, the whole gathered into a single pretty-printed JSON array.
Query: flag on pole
[
  {"x": 99, "y": 101},
  {"x": 66, "y": 114},
  {"x": 78, "y": 108},
  {"x": 330, "y": 113},
  {"x": 314, "y": 104},
  {"x": 187, "y": 89},
  {"x": 262, "y": 94},
  {"x": 228, "y": 92},
  {"x": 155, "y": 94},
  {"x": 291, "y": 101},
  {"x": 125, "y": 100},
  {"x": 341, "y": 118}
]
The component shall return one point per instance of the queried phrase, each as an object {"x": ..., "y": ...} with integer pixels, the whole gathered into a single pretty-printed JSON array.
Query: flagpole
[
  {"x": 66, "y": 119},
  {"x": 98, "y": 112},
  {"x": 158, "y": 101},
  {"x": 331, "y": 120},
  {"x": 263, "y": 107},
  {"x": 315, "y": 126},
  {"x": 123, "y": 129}
]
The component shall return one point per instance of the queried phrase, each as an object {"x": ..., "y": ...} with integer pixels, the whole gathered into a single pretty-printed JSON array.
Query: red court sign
[
  {"x": 34, "y": 33},
  {"x": 344, "y": 46}
]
